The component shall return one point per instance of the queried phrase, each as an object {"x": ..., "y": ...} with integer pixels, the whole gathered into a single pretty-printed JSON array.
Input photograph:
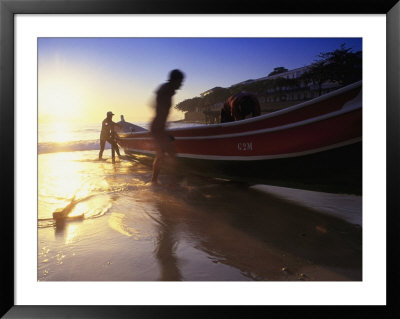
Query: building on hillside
[
  {"x": 299, "y": 92},
  {"x": 273, "y": 98}
]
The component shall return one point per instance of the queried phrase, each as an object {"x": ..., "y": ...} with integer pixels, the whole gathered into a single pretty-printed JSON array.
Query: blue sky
[{"x": 123, "y": 73}]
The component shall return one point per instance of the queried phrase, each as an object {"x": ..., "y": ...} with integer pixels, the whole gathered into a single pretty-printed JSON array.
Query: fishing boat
[{"x": 316, "y": 144}]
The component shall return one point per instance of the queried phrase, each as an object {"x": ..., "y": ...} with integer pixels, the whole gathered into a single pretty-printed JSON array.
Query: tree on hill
[
  {"x": 218, "y": 95},
  {"x": 317, "y": 75},
  {"x": 189, "y": 105},
  {"x": 342, "y": 66}
]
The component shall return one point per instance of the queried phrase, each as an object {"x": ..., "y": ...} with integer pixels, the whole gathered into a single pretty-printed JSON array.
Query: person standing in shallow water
[
  {"x": 162, "y": 141},
  {"x": 108, "y": 135}
]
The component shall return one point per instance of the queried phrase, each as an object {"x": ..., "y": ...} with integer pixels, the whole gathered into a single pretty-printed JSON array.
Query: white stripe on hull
[{"x": 252, "y": 158}]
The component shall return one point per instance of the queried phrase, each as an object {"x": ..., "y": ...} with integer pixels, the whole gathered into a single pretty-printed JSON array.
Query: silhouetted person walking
[
  {"x": 108, "y": 135},
  {"x": 164, "y": 143}
]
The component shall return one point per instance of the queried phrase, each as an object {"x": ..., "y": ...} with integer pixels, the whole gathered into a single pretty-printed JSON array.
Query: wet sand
[{"x": 200, "y": 229}]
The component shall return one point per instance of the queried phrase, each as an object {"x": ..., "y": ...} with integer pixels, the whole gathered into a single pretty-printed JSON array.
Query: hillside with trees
[{"x": 340, "y": 67}]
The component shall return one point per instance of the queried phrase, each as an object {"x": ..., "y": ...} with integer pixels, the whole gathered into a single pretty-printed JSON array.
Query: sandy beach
[{"x": 190, "y": 228}]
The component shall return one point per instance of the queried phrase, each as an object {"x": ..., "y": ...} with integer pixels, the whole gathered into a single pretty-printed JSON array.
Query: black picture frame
[{"x": 8, "y": 8}]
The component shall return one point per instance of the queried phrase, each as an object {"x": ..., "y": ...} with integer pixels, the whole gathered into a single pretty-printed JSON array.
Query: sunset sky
[{"x": 80, "y": 79}]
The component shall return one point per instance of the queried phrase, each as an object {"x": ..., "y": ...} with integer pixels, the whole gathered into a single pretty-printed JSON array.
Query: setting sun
[
  {"x": 60, "y": 100},
  {"x": 61, "y": 132}
]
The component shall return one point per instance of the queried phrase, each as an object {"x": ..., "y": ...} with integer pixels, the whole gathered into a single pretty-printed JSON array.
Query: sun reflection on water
[
  {"x": 60, "y": 176},
  {"x": 117, "y": 222},
  {"x": 57, "y": 132},
  {"x": 69, "y": 180},
  {"x": 71, "y": 234}
]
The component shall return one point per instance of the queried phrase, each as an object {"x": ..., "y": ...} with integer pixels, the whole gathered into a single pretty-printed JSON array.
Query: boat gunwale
[
  {"x": 265, "y": 116},
  {"x": 309, "y": 121}
]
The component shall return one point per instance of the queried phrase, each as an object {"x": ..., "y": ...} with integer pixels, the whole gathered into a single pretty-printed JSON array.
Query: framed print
[{"x": 281, "y": 190}]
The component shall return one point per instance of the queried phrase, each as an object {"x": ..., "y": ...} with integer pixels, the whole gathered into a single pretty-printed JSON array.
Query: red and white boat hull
[{"x": 299, "y": 134}]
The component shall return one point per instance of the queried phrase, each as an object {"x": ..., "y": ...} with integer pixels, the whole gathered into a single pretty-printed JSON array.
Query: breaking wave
[
  {"x": 90, "y": 144},
  {"x": 73, "y": 146}
]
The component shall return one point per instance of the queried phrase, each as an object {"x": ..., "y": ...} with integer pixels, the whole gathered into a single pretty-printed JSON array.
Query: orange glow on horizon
[{"x": 64, "y": 100}]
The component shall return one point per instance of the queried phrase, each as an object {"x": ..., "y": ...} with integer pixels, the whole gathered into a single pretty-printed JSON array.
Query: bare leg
[
  {"x": 113, "y": 154},
  {"x": 164, "y": 145},
  {"x": 157, "y": 166},
  {"x": 112, "y": 149},
  {"x": 102, "y": 144},
  {"x": 115, "y": 147}
]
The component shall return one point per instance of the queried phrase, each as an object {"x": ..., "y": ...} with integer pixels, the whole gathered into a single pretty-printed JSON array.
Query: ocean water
[
  {"x": 191, "y": 228},
  {"x": 69, "y": 169},
  {"x": 77, "y": 137}
]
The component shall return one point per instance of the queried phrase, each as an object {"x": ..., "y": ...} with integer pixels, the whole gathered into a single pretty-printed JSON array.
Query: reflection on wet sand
[
  {"x": 263, "y": 237},
  {"x": 65, "y": 230},
  {"x": 166, "y": 245},
  {"x": 190, "y": 228}
]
